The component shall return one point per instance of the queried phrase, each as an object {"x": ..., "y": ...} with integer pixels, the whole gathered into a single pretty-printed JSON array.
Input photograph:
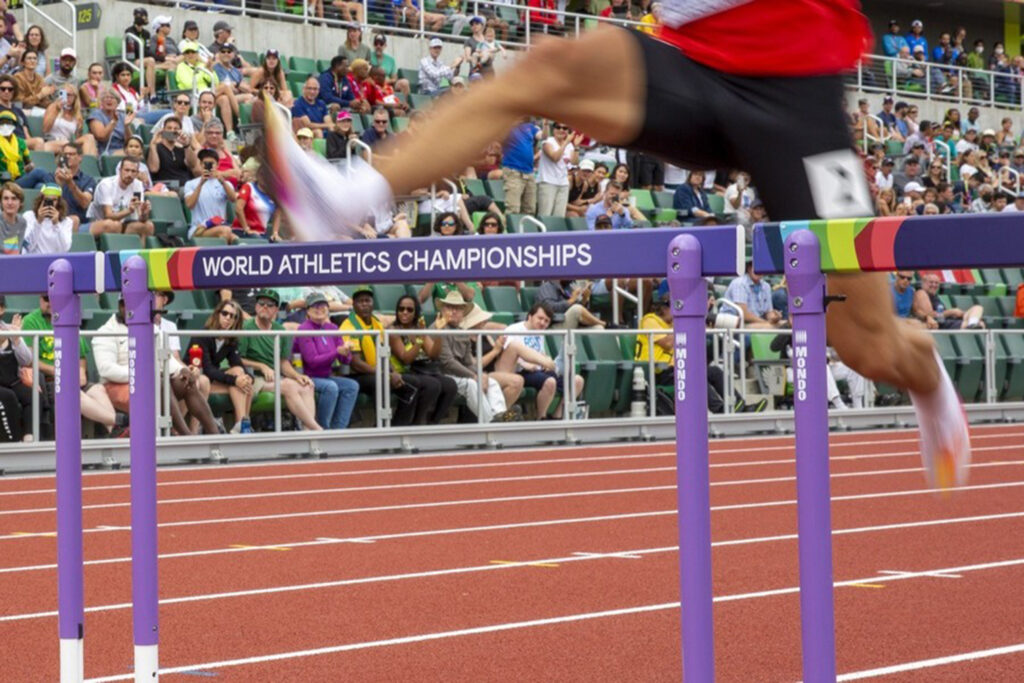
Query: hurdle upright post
[
  {"x": 807, "y": 302},
  {"x": 66, "y": 314},
  {"x": 138, "y": 315},
  {"x": 689, "y": 303}
]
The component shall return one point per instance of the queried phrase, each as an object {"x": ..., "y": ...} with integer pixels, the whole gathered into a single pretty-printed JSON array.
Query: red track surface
[{"x": 471, "y": 567}]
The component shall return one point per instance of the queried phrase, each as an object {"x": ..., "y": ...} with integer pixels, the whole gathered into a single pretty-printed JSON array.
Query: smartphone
[
  {"x": 208, "y": 165},
  {"x": 138, "y": 195},
  {"x": 62, "y": 163}
]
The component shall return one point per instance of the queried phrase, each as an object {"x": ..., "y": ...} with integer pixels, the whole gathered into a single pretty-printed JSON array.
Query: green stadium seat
[
  {"x": 527, "y": 294},
  {"x": 245, "y": 113},
  {"x": 167, "y": 212},
  {"x": 576, "y": 224},
  {"x": 108, "y": 164},
  {"x": 91, "y": 166},
  {"x": 503, "y": 298},
  {"x": 303, "y": 65},
  {"x": 35, "y": 126},
  {"x": 115, "y": 242},
  {"x": 554, "y": 223},
  {"x": 1012, "y": 348},
  {"x": 207, "y": 242},
  {"x": 605, "y": 348},
  {"x": 1013, "y": 277},
  {"x": 385, "y": 297},
  {"x": 663, "y": 216},
  {"x": 496, "y": 190},
  {"x": 474, "y": 186},
  {"x": 250, "y": 56},
  {"x": 420, "y": 102},
  {"x": 644, "y": 200},
  {"x": 716, "y": 203},
  {"x": 664, "y": 199},
  {"x": 323, "y": 65},
  {"x": 46, "y": 161},
  {"x": 82, "y": 241},
  {"x": 22, "y": 303},
  {"x": 399, "y": 123},
  {"x": 320, "y": 146}
]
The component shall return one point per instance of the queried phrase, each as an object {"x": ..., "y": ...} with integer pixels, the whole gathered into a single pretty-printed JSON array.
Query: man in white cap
[
  {"x": 65, "y": 73},
  {"x": 433, "y": 70}
]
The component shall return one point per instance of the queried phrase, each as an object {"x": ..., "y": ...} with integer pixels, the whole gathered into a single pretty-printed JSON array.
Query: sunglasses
[
  {"x": 406, "y": 309},
  {"x": 380, "y": 123},
  {"x": 490, "y": 224},
  {"x": 228, "y": 314},
  {"x": 267, "y": 304},
  {"x": 448, "y": 223},
  {"x": 186, "y": 102},
  {"x": 6, "y": 88},
  {"x": 903, "y": 277},
  {"x": 559, "y": 126}
]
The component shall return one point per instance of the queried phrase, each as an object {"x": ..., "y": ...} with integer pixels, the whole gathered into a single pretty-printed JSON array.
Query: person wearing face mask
[
  {"x": 13, "y": 149},
  {"x": 983, "y": 203},
  {"x": 49, "y": 228}
]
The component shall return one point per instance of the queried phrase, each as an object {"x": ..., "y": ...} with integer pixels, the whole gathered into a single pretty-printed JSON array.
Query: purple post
[
  {"x": 807, "y": 306},
  {"x": 66, "y": 314},
  {"x": 689, "y": 309},
  {"x": 138, "y": 315}
]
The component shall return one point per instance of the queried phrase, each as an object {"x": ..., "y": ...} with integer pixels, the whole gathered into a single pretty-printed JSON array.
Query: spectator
[
  {"x": 476, "y": 51},
  {"x": 63, "y": 121},
  {"x": 35, "y": 39},
  {"x": 190, "y": 75},
  {"x": 334, "y": 86},
  {"x": 885, "y": 203},
  {"x": 886, "y": 114},
  {"x": 206, "y": 112},
  {"x": 584, "y": 189},
  {"x": 13, "y": 149},
  {"x": 12, "y": 223},
  {"x": 207, "y": 197},
  {"x": 271, "y": 70},
  {"x": 111, "y": 356},
  {"x": 222, "y": 39},
  {"x": 134, "y": 148},
  {"x": 454, "y": 15},
  {"x": 491, "y": 349},
  {"x": 353, "y": 48},
  {"x": 258, "y": 355},
  {"x": 414, "y": 357},
  {"x": 304, "y": 136},
  {"x": 911, "y": 173},
  {"x": 557, "y": 153},
  {"x": 386, "y": 62},
  {"x": 571, "y": 299},
  {"x": 753, "y": 295},
  {"x": 190, "y": 31},
  {"x": 944, "y": 53},
  {"x": 256, "y": 212},
  {"x": 223, "y": 349},
  {"x": 534, "y": 364},
  {"x": 1004, "y": 137},
  {"x": 903, "y": 294},
  {"x": 34, "y": 93},
  {"x": 130, "y": 100},
  {"x": 132, "y": 51},
  {"x": 89, "y": 91},
  {"x": 335, "y": 396},
  {"x": 376, "y": 91},
  {"x": 213, "y": 139},
  {"x": 433, "y": 70},
  {"x": 916, "y": 37},
  {"x": 364, "y": 352},
  {"x": 410, "y": 11},
  {"x": 380, "y": 130},
  {"x": 188, "y": 383},
  {"x": 936, "y": 173},
  {"x": 48, "y": 227},
  {"x": 909, "y": 71},
  {"x": 337, "y": 139},
  {"x": 892, "y": 42},
  {"x": 171, "y": 156},
  {"x": 969, "y": 142},
  {"x": 95, "y": 403},
  {"x": 517, "y": 168},
  {"x": 231, "y": 77},
  {"x": 739, "y": 196},
  {"x": 108, "y": 125},
  {"x": 541, "y": 16},
  {"x": 180, "y": 106},
  {"x": 118, "y": 205},
  {"x": 351, "y": 10},
  {"x": 691, "y": 199},
  {"x": 457, "y": 361},
  {"x": 309, "y": 111},
  {"x": 610, "y": 206},
  {"x": 15, "y": 395},
  {"x": 162, "y": 49}
]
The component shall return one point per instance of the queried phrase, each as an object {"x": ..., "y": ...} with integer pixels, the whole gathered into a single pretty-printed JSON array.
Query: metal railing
[
  {"x": 141, "y": 68},
  {"x": 68, "y": 28}
]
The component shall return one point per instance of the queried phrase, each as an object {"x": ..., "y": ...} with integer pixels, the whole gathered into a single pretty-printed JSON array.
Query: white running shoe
[
  {"x": 322, "y": 203},
  {"x": 945, "y": 442}
]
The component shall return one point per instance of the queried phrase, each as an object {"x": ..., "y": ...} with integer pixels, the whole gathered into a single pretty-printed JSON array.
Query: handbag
[{"x": 425, "y": 366}]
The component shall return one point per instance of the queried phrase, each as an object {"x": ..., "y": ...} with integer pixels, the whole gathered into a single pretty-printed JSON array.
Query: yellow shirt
[
  {"x": 364, "y": 344},
  {"x": 653, "y": 321}
]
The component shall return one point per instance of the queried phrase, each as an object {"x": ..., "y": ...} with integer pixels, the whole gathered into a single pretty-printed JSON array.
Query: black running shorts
[{"x": 790, "y": 133}]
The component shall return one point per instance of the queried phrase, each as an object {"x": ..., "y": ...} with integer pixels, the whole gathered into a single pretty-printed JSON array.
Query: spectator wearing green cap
[
  {"x": 258, "y": 355},
  {"x": 48, "y": 227}
]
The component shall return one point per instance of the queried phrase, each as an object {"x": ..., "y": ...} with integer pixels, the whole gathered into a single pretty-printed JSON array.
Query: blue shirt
[
  {"x": 371, "y": 137},
  {"x": 619, "y": 220},
  {"x": 891, "y": 44},
  {"x": 227, "y": 73},
  {"x": 913, "y": 41},
  {"x": 756, "y": 297},
  {"x": 213, "y": 201},
  {"x": 316, "y": 112},
  {"x": 331, "y": 93},
  {"x": 86, "y": 183},
  {"x": 518, "y": 148},
  {"x": 903, "y": 302},
  {"x": 117, "y": 138}
]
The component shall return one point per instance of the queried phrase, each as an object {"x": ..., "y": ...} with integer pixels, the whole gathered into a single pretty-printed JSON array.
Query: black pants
[
  {"x": 15, "y": 412},
  {"x": 716, "y": 386},
  {"x": 402, "y": 412},
  {"x": 434, "y": 396}
]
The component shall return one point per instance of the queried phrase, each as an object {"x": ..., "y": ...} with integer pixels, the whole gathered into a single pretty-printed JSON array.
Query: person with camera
[
  {"x": 611, "y": 206},
  {"x": 171, "y": 156},
  {"x": 48, "y": 227},
  {"x": 119, "y": 204},
  {"x": 108, "y": 124},
  {"x": 207, "y": 197},
  {"x": 62, "y": 121},
  {"x": 570, "y": 298}
]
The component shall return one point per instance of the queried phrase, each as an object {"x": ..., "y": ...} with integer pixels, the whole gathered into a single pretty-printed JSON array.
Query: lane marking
[
  {"x": 586, "y": 616},
  {"x": 867, "y": 585},
  {"x": 575, "y": 557},
  {"x": 526, "y": 564},
  {"x": 937, "y": 575},
  {"x": 929, "y": 663},
  {"x": 623, "y": 556},
  {"x": 512, "y": 463},
  {"x": 259, "y": 547},
  {"x": 493, "y": 480}
]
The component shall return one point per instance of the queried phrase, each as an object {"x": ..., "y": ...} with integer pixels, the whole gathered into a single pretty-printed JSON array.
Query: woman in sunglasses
[
  {"x": 227, "y": 317},
  {"x": 271, "y": 70},
  {"x": 447, "y": 225},
  {"x": 414, "y": 358},
  {"x": 490, "y": 224},
  {"x": 258, "y": 107}
]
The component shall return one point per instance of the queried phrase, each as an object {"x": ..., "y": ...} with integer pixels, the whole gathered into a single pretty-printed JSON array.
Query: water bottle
[
  {"x": 638, "y": 406},
  {"x": 195, "y": 356}
]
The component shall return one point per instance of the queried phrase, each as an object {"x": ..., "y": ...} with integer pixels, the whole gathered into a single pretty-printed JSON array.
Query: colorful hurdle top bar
[
  {"x": 897, "y": 242},
  {"x": 544, "y": 256}
]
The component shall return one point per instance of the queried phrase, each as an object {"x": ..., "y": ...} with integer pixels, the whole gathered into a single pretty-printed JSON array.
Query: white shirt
[
  {"x": 1012, "y": 208},
  {"x": 173, "y": 344},
  {"x": 187, "y": 126},
  {"x": 964, "y": 145},
  {"x": 884, "y": 182},
  {"x": 46, "y": 237},
  {"x": 110, "y": 193},
  {"x": 533, "y": 341},
  {"x": 554, "y": 172},
  {"x": 746, "y": 200},
  {"x": 111, "y": 353},
  {"x": 675, "y": 175}
]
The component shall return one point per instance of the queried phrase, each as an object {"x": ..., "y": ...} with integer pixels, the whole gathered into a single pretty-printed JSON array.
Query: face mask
[
  {"x": 999, "y": 50},
  {"x": 986, "y": 197},
  {"x": 979, "y": 49},
  {"x": 6, "y": 130}
]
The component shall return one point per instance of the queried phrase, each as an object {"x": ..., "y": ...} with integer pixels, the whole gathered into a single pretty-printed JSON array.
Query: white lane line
[
  {"x": 574, "y": 617},
  {"x": 512, "y": 463},
  {"x": 929, "y": 663},
  {"x": 575, "y": 557},
  {"x": 345, "y": 511},
  {"x": 493, "y": 480}
]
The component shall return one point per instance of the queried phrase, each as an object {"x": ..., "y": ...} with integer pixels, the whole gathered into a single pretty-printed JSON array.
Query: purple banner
[{"x": 27, "y": 274}]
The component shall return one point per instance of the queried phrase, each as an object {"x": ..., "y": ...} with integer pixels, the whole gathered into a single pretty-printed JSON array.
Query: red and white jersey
[
  {"x": 768, "y": 37},
  {"x": 259, "y": 208}
]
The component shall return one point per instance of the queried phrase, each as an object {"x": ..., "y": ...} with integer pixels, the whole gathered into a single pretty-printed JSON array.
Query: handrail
[
  {"x": 885, "y": 134},
  {"x": 1014, "y": 176},
  {"x": 60, "y": 26},
  {"x": 533, "y": 221},
  {"x": 948, "y": 161},
  {"x": 142, "y": 51},
  {"x": 356, "y": 142}
]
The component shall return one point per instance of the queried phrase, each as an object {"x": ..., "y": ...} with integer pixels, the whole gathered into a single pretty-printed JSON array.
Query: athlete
[{"x": 751, "y": 84}]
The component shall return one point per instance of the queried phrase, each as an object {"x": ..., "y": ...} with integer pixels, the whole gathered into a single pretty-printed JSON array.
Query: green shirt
[
  {"x": 387, "y": 62},
  {"x": 975, "y": 61},
  {"x": 261, "y": 349},
  {"x": 36, "y": 321},
  {"x": 441, "y": 290}
]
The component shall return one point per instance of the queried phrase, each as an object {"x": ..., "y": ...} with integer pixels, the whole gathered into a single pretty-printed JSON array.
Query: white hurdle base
[
  {"x": 146, "y": 663},
  {"x": 72, "y": 660}
]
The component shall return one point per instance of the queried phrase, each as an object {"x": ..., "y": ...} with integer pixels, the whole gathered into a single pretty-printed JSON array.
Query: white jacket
[{"x": 111, "y": 353}]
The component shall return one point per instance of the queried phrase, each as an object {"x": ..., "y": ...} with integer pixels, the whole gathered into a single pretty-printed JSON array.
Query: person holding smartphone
[
  {"x": 119, "y": 204},
  {"x": 48, "y": 227},
  {"x": 207, "y": 197}
]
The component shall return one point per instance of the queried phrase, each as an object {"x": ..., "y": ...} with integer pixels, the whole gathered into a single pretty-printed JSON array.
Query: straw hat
[
  {"x": 453, "y": 298},
  {"x": 474, "y": 316}
]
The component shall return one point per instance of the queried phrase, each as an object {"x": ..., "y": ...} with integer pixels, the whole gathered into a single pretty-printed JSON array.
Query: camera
[
  {"x": 50, "y": 203},
  {"x": 208, "y": 165},
  {"x": 138, "y": 195},
  {"x": 62, "y": 162}
]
